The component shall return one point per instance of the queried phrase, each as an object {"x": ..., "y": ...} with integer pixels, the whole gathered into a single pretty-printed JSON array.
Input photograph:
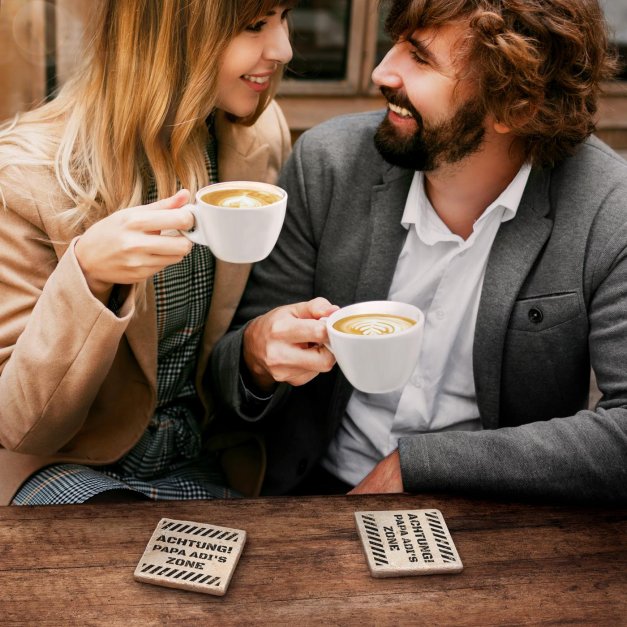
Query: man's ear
[
  {"x": 500, "y": 128},
  {"x": 518, "y": 118}
]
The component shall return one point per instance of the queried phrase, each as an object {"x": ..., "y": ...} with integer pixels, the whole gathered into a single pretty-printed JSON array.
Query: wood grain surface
[{"x": 524, "y": 563}]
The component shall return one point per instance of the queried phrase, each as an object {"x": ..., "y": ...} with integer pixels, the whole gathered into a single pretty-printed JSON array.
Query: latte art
[
  {"x": 373, "y": 324},
  {"x": 240, "y": 198}
]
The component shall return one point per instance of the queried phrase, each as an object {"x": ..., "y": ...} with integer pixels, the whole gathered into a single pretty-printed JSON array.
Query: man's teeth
[
  {"x": 261, "y": 80},
  {"x": 404, "y": 113}
]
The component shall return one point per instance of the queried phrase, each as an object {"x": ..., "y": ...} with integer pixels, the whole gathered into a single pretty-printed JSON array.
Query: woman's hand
[{"x": 127, "y": 246}]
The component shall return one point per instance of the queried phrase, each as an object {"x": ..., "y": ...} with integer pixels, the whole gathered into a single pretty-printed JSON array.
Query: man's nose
[{"x": 386, "y": 73}]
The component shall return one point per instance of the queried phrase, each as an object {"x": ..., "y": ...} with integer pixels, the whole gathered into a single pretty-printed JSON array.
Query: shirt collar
[{"x": 418, "y": 209}]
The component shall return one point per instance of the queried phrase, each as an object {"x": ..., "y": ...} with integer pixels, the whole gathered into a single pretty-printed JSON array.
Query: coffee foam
[
  {"x": 373, "y": 324},
  {"x": 240, "y": 198}
]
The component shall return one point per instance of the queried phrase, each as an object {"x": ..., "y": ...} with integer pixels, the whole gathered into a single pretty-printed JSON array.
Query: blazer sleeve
[
  {"x": 285, "y": 276},
  {"x": 57, "y": 341},
  {"x": 578, "y": 457}
]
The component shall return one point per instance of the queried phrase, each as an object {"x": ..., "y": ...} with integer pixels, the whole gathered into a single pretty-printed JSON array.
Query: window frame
[
  {"x": 361, "y": 55},
  {"x": 359, "y": 13}
]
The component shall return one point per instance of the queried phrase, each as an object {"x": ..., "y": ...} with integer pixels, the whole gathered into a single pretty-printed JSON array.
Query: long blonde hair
[{"x": 137, "y": 104}]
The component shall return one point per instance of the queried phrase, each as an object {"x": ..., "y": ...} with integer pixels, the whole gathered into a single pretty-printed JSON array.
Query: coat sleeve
[{"x": 57, "y": 341}]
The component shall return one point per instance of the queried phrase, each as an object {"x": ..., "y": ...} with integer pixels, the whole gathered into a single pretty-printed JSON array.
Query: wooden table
[{"x": 303, "y": 564}]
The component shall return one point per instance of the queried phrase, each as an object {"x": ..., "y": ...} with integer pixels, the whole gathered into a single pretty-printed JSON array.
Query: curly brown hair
[{"x": 539, "y": 63}]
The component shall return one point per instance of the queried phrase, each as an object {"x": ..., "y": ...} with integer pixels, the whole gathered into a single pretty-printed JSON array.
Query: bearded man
[{"x": 481, "y": 197}]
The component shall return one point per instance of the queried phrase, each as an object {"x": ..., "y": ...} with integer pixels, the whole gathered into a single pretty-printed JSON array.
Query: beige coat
[{"x": 78, "y": 383}]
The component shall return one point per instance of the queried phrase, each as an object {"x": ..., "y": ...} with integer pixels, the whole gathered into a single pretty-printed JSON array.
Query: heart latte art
[
  {"x": 240, "y": 198},
  {"x": 373, "y": 324}
]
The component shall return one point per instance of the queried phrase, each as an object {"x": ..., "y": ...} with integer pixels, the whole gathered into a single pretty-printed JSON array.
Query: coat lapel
[
  {"x": 141, "y": 335},
  {"x": 241, "y": 156},
  {"x": 228, "y": 286},
  {"x": 516, "y": 247}
]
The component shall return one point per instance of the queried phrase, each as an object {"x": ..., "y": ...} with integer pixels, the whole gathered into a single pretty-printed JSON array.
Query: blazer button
[
  {"x": 535, "y": 315},
  {"x": 302, "y": 466}
]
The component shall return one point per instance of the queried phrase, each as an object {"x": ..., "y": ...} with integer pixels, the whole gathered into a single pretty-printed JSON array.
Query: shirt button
[
  {"x": 439, "y": 314},
  {"x": 302, "y": 466},
  {"x": 417, "y": 381}
]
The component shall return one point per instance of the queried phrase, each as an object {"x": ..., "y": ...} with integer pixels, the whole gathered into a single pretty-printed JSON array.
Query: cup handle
[
  {"x": 326, "y": 344},
  {"x": 193, "y": 234}
]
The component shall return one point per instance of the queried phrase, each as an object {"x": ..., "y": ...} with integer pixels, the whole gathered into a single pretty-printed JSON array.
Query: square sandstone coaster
[
  {"x": 413, "y": 542},
  {"x": 191, "y": 556}
]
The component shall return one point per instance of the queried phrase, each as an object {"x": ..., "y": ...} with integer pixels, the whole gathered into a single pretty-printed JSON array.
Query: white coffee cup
[
  {"x": 238, "y": 234},
  {"x": 377, "y": 363}
]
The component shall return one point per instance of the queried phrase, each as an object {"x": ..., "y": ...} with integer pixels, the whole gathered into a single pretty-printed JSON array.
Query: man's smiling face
[{"x": 434, "y": 116}]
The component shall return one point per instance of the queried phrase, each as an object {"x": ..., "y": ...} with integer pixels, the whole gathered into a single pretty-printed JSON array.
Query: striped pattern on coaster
[
  {"x": 191, "y": 556},
  {"x": 409, "y": 542}
]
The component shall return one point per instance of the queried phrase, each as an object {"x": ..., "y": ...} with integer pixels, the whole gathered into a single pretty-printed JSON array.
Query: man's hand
[
  {"x": 287, "y": 344},
  {"x": 384, "y": 477}
]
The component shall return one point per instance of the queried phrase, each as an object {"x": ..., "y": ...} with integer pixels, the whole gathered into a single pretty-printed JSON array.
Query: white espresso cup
[
  {"x": 380, "y": 346},
  {"x": 242, "y": 228}
]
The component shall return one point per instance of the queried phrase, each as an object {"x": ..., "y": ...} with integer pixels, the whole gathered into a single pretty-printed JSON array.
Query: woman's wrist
[{"x": 100, "y": 289}]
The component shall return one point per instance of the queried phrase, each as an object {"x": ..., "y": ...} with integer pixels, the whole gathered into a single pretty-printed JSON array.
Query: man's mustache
[{"x": 400, "y": 100}]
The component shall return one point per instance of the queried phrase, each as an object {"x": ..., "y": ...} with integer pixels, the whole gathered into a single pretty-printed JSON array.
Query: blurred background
[{"x": 337, "y": 43}]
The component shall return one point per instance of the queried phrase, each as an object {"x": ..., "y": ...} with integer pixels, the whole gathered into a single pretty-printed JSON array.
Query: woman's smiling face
[{"x": 251, "y": 59}]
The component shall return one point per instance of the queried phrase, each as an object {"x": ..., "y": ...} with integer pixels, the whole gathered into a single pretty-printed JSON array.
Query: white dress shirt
[{"x": 442, "y": 274}]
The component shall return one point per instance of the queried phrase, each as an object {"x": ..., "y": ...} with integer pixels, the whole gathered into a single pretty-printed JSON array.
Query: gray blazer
[{"x": 564, "y": 255}]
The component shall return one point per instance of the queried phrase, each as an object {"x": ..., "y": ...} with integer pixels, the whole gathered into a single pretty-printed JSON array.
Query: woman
[{"x": 105, "y": 323}]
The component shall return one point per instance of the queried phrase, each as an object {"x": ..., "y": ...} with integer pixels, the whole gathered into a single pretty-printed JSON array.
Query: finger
[
  {"x": 149, "y": 267},
  {"x": 289, "y": 375},
  {"x": 316, "y": 308},
  {"x": 298, "y": 331},
  {"x": 163, "y": 261},
  {"x": 294, "y": 376},
  {"x": 286, "y": 357},
  {"x": 302, "y": 379},
  {"x": 155, "y": 220},
  {"x": 171, "y": 202},
  {"x": 157, "y": 245}
]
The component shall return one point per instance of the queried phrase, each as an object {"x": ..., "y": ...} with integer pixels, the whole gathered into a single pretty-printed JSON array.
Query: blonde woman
[{"x": 105, "y": 323}]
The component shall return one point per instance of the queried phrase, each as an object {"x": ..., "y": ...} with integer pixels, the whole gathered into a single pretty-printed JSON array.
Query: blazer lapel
[
  {"x": 516, "y": 246},
  {"x": 387, "y": 237}
]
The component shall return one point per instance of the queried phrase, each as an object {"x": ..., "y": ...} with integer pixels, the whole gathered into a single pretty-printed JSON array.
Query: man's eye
[
  {"x": 256, "y": 27},
  {"x": 417, "y": 57}
]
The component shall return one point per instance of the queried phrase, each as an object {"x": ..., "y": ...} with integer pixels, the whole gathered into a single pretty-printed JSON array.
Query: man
[{"x": 483, "y": 201}]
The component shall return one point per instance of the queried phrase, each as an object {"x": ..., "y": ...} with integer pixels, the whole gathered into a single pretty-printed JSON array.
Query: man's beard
[{"x": 431, "y": 146}]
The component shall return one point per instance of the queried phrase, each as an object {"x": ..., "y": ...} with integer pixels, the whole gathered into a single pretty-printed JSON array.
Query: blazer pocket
[{"x": 544, "y": 312}]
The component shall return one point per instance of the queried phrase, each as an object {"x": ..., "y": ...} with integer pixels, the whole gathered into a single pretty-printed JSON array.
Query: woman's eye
[
  {"x": 285, "y": 14},
  {"x": 256, "y": 27}
]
